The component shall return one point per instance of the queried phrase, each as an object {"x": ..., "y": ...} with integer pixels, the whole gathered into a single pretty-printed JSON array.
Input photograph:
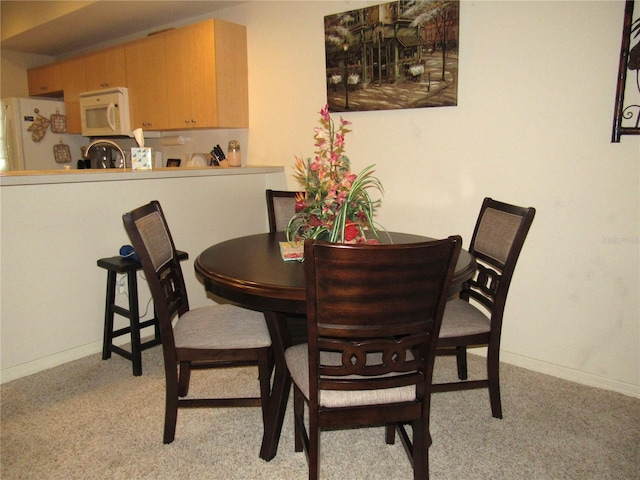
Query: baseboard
[
  {"x": 565, "y": 373},
  {"x": 45, "y": 363},
  {"x": 570, "y": 374}
]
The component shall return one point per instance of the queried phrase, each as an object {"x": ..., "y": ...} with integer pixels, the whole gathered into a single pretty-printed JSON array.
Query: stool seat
[{"x": 130, "y": 267}]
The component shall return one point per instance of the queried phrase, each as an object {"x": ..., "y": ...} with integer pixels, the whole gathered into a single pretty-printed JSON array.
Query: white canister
[{"x": 234, "y": 156}]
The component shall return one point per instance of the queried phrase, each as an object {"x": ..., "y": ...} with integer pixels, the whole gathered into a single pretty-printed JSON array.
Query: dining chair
[
  {"x": 373, "y": 316},
  {"x": 475, "y": 318},
  {"x": 205, "y": 337},
  {"x": 281, "y": 206}
]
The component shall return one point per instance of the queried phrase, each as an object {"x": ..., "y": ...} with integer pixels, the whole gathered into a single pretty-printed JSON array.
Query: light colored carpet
[{"x": 91, "y": 419}]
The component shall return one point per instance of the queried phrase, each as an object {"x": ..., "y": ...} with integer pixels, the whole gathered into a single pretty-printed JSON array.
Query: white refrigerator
[{"x": 32, "y": 138}]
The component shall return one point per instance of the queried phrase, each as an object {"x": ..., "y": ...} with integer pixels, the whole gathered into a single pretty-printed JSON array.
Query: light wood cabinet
[
  {"x": 106, "y": 69},
  {"x": 189, "y": 77},
  {"x": 45, "y": 80},
  {"x": 147, "y": 82},
  {"x": 232, "y": 75},
  {"x": 207, "y": 76},
  {"x": 74, "y": 83}
]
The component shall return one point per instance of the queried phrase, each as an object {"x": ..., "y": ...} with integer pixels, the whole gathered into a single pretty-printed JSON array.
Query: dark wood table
[{"x": 250, "y": 271}]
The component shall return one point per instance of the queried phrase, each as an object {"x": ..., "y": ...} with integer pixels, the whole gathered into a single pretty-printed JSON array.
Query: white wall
[
  {"x": 532, "y": 127},
  {"x": 13, "y": 72},
  {"x": 53, "y": 293}
]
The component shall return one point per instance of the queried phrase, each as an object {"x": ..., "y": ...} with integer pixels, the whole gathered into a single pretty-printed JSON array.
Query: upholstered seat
[
  {"x": 221, "y": 327},
  {"x": 461, "y": 318}
]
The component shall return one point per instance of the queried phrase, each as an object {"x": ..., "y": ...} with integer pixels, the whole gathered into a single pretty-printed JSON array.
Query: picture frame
[
  {"x": 173, "y": 162},
  {"x": 396, "y": 55}
]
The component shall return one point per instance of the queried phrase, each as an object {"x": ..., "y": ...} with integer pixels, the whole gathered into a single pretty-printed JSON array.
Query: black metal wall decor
[
  {"x": 626, "y": 119},
  {"x": 401, "y": 54}
]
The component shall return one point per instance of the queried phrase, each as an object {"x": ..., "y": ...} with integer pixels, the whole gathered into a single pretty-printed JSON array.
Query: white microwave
[{"x": 105, "y": 113}]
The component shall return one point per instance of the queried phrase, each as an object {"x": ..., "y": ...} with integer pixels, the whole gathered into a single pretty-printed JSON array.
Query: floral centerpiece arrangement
[{"x": 336, "y": 205}]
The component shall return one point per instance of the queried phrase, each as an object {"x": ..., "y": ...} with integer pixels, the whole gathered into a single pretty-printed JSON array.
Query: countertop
[{"x": 45, "y": 177}]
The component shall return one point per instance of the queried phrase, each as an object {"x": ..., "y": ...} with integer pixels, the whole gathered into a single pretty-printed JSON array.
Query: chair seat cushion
[
  {"x": 221, "y": 327},
  {"x": 298, "y": 363},
  {"x": 461, "y": 319}
]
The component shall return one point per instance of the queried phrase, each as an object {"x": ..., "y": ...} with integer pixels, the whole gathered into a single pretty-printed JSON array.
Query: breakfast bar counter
[
  {"x": 56, "y": 225},
  {"x": 40, "y": 177}
]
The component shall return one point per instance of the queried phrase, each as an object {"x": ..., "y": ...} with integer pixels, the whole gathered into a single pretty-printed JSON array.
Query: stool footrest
[
  {"x": 127, "y": 354},
  {"x": 126, "y": 330}
]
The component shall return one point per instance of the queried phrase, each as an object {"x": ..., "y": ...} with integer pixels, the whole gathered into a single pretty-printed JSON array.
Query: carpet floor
[{"x": 91, "y": 419}]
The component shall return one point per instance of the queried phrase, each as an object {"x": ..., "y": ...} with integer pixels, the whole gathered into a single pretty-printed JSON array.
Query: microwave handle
[{"x": 111, "y": 116}]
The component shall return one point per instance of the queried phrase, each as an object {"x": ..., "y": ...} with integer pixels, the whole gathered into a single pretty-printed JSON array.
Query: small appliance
[{"x": 105, "y": 113}]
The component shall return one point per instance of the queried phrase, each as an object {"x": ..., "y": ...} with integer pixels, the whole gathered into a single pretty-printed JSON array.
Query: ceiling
[{"x": 61, "y": 28}]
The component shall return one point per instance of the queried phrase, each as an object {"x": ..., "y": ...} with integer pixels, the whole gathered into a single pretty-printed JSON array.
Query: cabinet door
[
  {"x": 147, "y": 82},
  {"x": 232, "y": 75},
  {"x": 191, "y": 76},
  {"x": 106, "y": 68},
  {"x": 45, "y": 80},
  {"x": 73, "y": 83}
]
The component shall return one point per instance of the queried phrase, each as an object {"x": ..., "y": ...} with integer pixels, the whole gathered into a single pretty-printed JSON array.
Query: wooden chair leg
[
  {"x": 461, "y": 360},
  {"x": 493, "y": 374},
  {"x": 390, "y": 433},
  {"x": 185, "y": 377},
  {"x": 171, "y": 404},
  {"x": 314, "y": 446},
  {"x": 265, "y": 362},
  {"x": 421, "y": 441},
  {"x": 298, "y": 417}
]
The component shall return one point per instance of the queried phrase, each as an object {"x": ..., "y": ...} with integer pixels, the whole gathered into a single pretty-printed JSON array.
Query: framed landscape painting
[{"x": 396, "y": 55}]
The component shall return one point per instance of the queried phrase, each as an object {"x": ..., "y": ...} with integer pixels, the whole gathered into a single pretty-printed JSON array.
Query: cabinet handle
[{"x": 193, "y": 120}]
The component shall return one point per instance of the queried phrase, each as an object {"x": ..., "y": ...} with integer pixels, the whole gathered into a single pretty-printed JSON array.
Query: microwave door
[{"x": 97, "y": 118}]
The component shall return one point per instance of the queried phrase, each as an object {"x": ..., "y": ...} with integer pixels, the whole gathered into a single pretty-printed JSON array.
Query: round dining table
[{"x": 250, "y": 271}]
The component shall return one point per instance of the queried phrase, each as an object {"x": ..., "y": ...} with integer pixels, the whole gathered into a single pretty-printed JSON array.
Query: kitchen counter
[
  {"x": 57, "y": 224},
  {"x": 45, "y": 177}
]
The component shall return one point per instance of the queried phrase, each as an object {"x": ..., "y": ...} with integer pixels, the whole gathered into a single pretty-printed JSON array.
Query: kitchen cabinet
[
  {"x": 190, "y": 77},
  {"x": 106, "y": 69},
  {"x": 73, "y": 83},
  {"x": 45, "y": 80},
  {"x": 145, "y": 61},
  {"x": 207, "y": 76}
]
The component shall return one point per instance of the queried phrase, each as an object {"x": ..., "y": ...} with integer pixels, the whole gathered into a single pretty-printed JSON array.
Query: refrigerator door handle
[{"x": 7, "y": 139}]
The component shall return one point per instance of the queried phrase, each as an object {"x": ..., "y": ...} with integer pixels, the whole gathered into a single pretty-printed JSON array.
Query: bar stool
[{"x": 115, "y": 265}]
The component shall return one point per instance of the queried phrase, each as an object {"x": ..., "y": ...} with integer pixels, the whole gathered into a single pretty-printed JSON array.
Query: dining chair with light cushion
[
  {"x": 205, "y": 337},
  {"x": 281, "y": 206},
  {"x": 475, "y": 318},
  {"x": 373, "y": 316}
]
